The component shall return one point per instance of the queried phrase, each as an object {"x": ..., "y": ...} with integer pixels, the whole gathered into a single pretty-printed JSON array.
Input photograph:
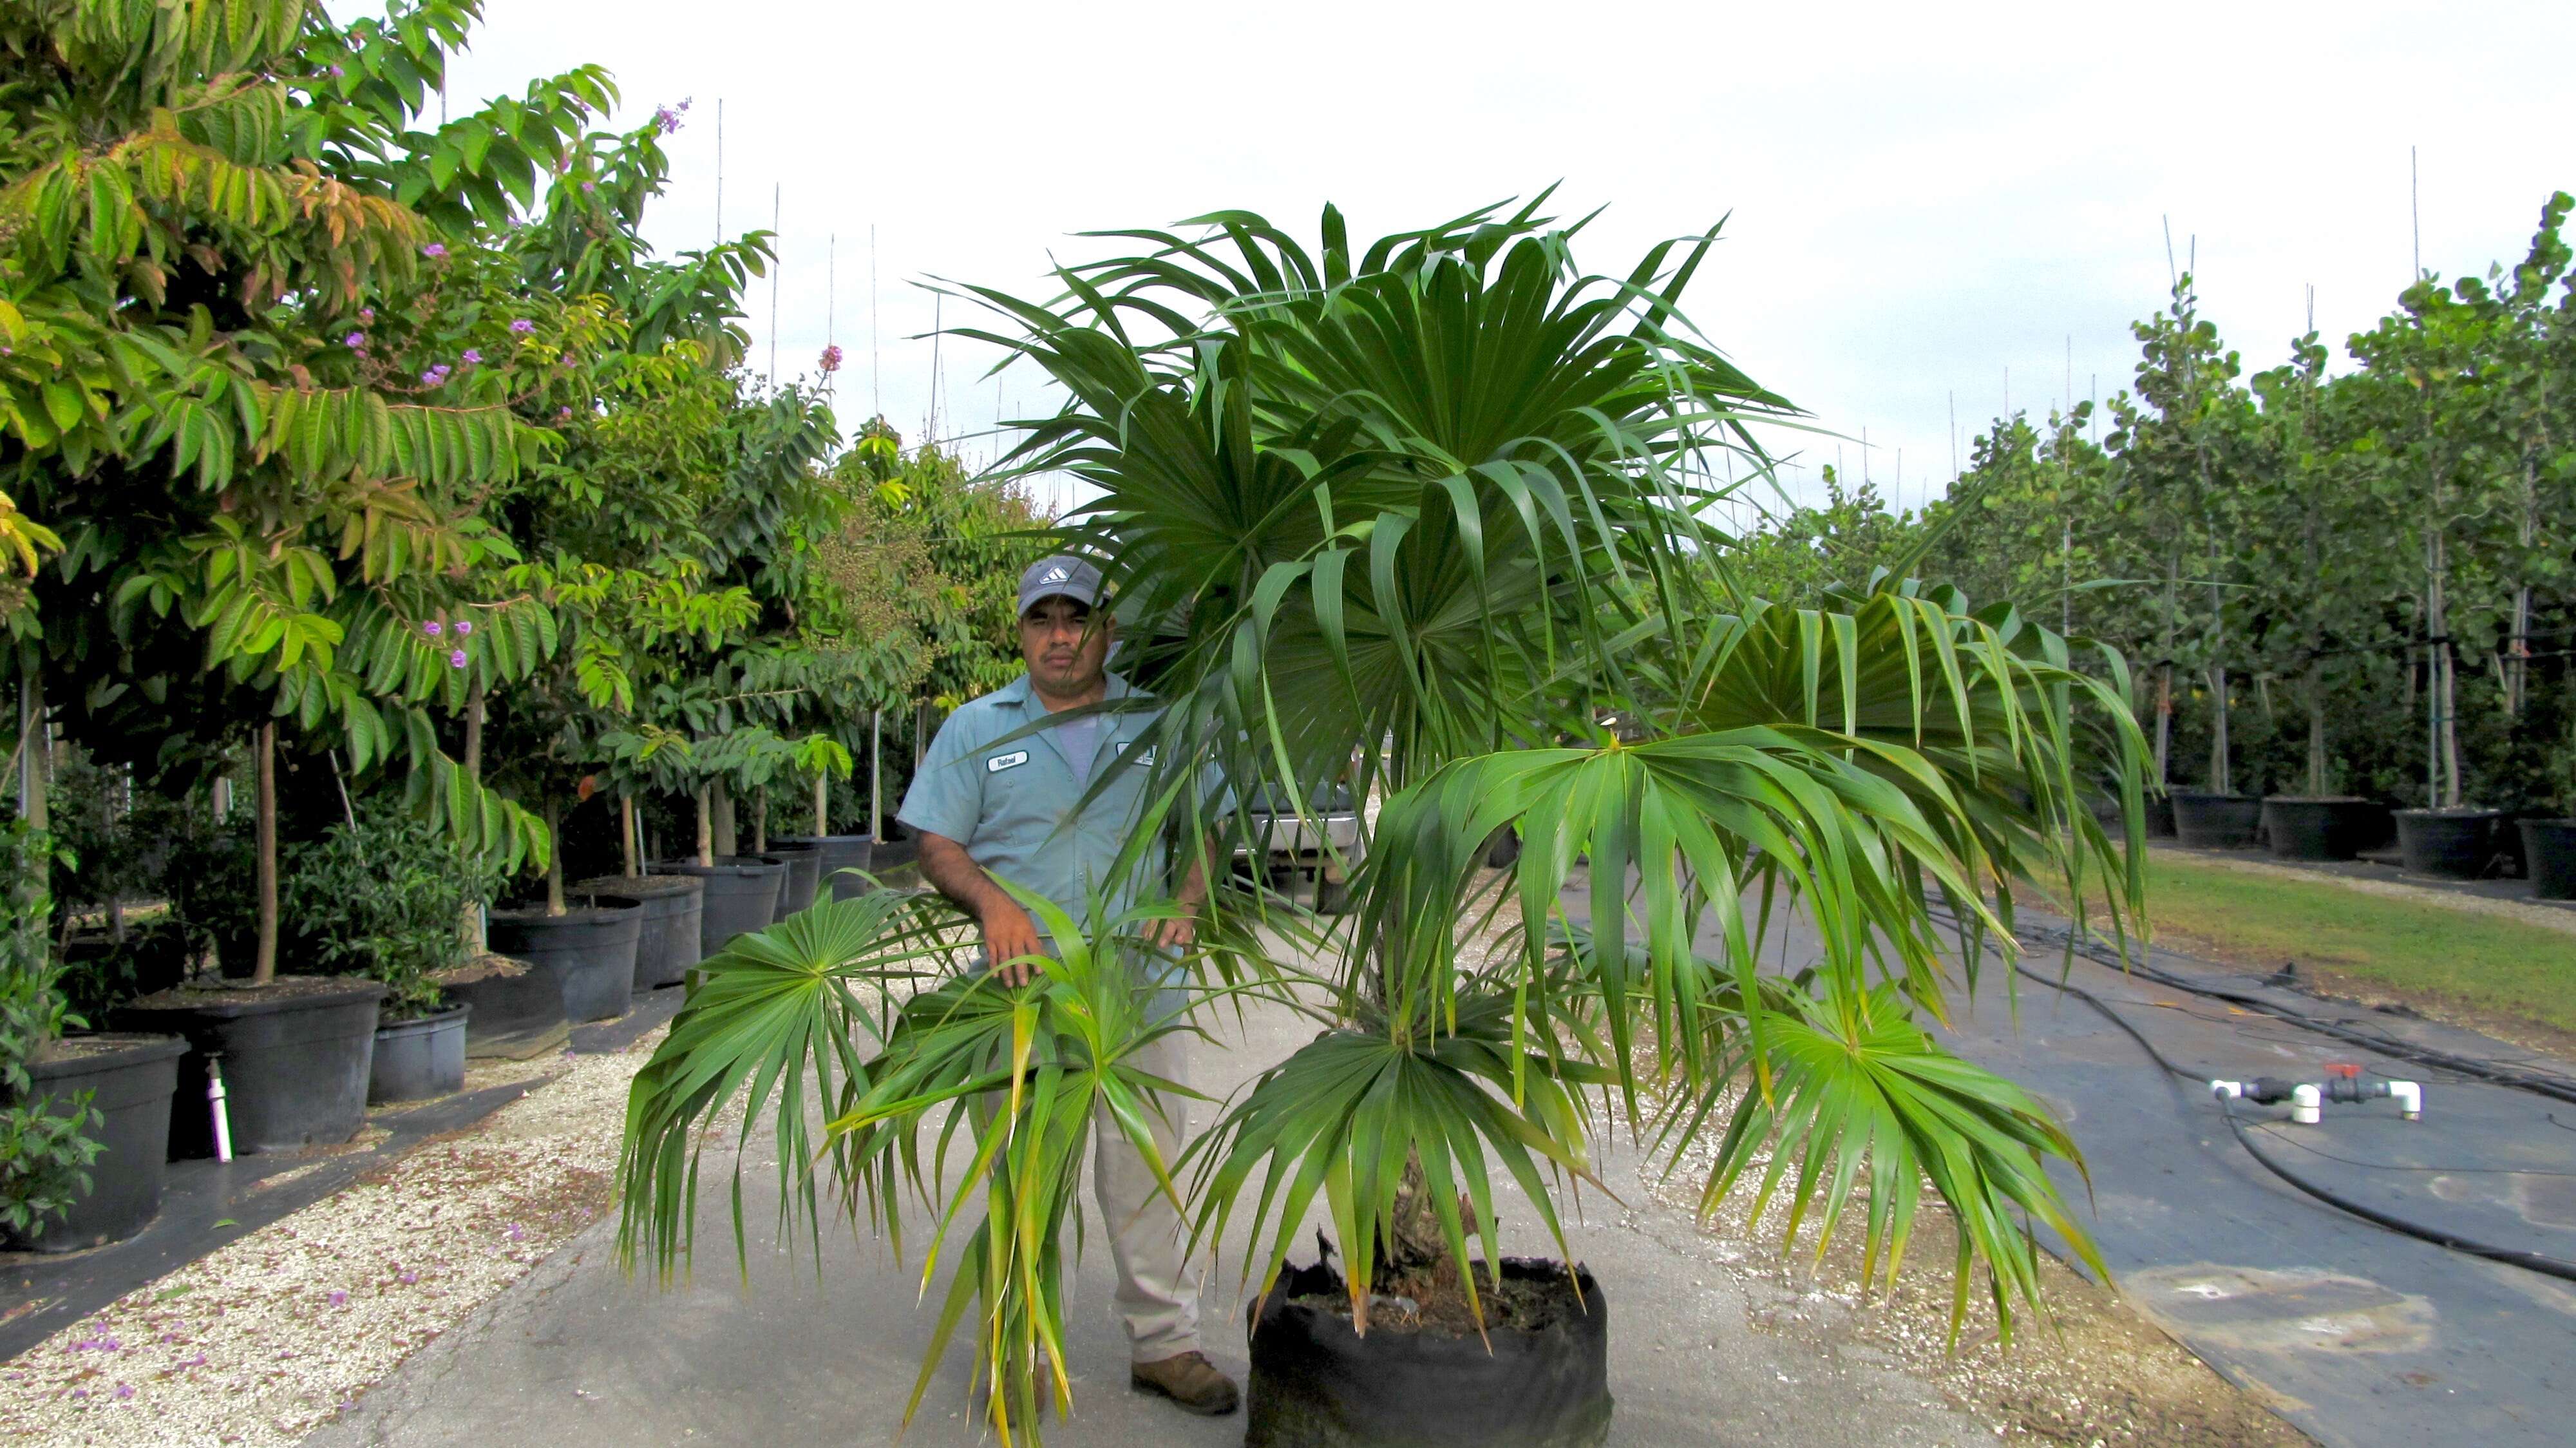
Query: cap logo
[{"x": 1055, "y": 575}]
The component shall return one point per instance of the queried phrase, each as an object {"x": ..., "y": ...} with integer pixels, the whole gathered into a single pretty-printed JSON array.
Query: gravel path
[{"x": 273, "y": 1334}]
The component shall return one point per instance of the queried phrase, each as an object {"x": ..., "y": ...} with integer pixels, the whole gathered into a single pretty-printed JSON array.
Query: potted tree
[
  {"x": 380, "y": 894},
  {"x": 2549, "y": 845},
  {"x": 1362, "y": 508},
  {"x": 84, "y": 1120}
]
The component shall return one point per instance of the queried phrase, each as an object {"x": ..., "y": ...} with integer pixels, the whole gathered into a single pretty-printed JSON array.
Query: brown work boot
[{"x": 1189, "y": 1380}]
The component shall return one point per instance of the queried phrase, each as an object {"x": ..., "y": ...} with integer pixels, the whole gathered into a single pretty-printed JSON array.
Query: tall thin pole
[
  {"x": 720, "y": 170},
  {"x": 831, "y": 286},
  {"x": 1954, "y": 434},
  {"x": 775, "y": 267},
  {"x": 876, "y": 394},
  {"x": 2415, "y": 211},
  {"x": 931, "y": 424}
]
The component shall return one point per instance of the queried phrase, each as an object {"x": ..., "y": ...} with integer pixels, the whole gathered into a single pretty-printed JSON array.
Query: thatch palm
[{"x": 1431, "y": 518}]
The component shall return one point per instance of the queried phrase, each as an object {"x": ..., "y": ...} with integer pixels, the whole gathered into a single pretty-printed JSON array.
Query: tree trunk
[
  {"x": 727, "y": 839},
  {"x": 706, "y": 828},
  {"x": 2220, "y": 779},
  {"x": 2443, "y": 677},
  {"x": 474, "y": 735},
  {"x": 263, "y": 962},
  {"x": 471, "y": 927},
  {"x": 554, "y": 857},
  {"x": 2164, "y": 674},
  {"x": 760, "y": 821},
  {"x": 2316, "y": 727},
  {"x": 32, "y": 752},
  {"x": 876, "y": 775},
  {"x": 822, "y": 803},
  {"x": 626, "y": 834}
]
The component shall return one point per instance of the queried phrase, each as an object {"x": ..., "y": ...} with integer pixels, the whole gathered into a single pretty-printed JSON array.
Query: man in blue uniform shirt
[{"x": 985, "y": 805}]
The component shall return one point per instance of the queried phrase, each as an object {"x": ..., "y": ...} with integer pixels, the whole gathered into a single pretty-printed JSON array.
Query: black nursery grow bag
[{"x": 1317, "y": 1384}]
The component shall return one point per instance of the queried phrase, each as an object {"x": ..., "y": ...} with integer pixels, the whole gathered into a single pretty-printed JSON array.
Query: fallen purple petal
[
  {"x": 339, "y": 1297},
  {"x": 124, "y": 1391}
]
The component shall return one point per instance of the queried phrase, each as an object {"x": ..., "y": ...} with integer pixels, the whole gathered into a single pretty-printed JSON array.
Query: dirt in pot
[
  {"x": 480, "y": 968},
  {"x": 1433, "y": 1301}
]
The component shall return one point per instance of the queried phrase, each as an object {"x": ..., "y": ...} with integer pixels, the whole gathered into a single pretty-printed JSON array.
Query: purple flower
[
  {"x": 340, "y": 1296},
  {"x": 408, "y": 1278},
  {"x": 80, "y": 1392},
  {"x": 667, "y": 118},
  {"x": 456, "y": 658},
  {"x": 337, "y": 72},
  {"x": 124, "y": 1391},
  {"x": 471, "y": 357},
  {"x": 588, "y": 187},
  {"x": 523, "y": 326},
  {"x": 432, "y": 627},
  {"x": 356, "y": 339},
  {"x": 366, "y": 314},
  {"x": 433, "y": 377},
  {"x": 464, "y": 627},
  {"x": 518, "y": 1233},
  {"x": 563, "y": 414},
  {"x": 832, "y": 359},
  {"x": 565, "y": 359},
  {"x": 195, "y": 1362},
  {"x": 434, "y": 250}
]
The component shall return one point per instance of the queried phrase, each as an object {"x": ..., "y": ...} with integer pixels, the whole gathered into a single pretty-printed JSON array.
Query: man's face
[{"x": 1066, "y": 651}]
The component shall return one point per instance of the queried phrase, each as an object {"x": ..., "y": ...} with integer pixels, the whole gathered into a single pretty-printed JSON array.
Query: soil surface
[
  {"x": 1429, "y": 1303},
  {"x": 482, "y": 967},
  {"x": 285, "y": 987}
]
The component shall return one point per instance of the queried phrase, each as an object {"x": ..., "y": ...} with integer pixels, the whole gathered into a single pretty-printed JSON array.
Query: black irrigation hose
[
  {"x": 2510, "y": 1256},
  {"x": 2385, "y": 1045}
]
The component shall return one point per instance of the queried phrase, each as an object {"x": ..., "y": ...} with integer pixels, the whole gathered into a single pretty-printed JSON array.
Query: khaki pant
[{"x": 1158, "y": 1295}]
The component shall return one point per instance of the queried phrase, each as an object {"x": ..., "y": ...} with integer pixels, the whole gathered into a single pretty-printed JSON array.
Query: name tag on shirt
[{"x": 1000, "y": 762}]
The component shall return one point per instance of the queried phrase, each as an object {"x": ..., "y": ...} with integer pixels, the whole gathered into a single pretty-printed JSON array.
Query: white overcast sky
[{"x": 1921, "y": 199}]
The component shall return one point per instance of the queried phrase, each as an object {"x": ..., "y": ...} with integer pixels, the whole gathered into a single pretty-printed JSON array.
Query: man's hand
[
  {"x": 1175, "y": 933},
  {"x": 1010, "y": 933}
]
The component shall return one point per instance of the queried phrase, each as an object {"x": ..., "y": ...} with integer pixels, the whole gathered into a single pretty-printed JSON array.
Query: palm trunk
[
  {"x": 263, "y": 961},
  {"x": 706, "y": 828},
  {"x": 626, "y": 834},
  {"x": 822, "y": 803},
  {"x": 727, "y": 840}
]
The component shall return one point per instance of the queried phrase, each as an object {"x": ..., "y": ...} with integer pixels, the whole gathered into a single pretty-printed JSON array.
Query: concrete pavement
[{"x": 576, "y": 1353}]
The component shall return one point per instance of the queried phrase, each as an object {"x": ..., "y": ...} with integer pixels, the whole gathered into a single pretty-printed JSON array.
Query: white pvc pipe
[
  {"x": 2409, "y": 1098},
  {"x": 215, "y": 1102}
]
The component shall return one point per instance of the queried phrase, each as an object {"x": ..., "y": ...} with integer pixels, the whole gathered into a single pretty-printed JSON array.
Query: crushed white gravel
[{"x": 270, "y": 1335}]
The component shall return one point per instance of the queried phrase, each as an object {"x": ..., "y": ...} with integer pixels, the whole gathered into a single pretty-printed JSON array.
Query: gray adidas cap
[{"x": 1063, "y": 575}]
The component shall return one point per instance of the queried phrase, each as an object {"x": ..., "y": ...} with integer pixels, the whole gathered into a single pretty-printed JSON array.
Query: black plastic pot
[
  {"x": 667, "y": 943},
  {"x": 295, "y": 1057},
  {"x": 839, "y": 852},
  {"x": 2336, "y": 827},
  {"x": 2216, "y": 821},
  {"x": 2454, "y": 842},
  {"x": 130, "y": 1080},
  {"x": 419, "y": 1059},
  {"x": 741, "y": 894},
  {"x": 588, "y": 951},
  {"x": 1317, "y": 1384},
  {"x": 2549, "y": 858},
  {"x": 804, "y": 876},
  {"x": 518, "y": 1010},
  {"x": 2160, "y": 816}
]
